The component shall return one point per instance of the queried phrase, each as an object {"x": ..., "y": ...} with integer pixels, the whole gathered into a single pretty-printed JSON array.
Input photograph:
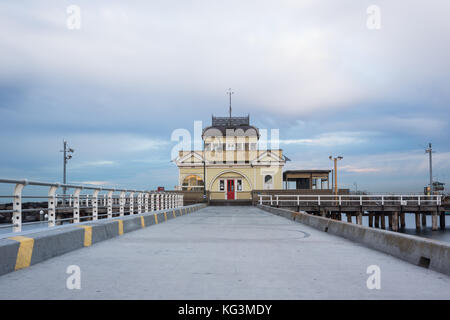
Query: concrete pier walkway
[{"x": 225, "y": 253}]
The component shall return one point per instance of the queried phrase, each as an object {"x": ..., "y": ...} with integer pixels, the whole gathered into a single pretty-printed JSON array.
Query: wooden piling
[
  {"x": 402, "y": 220},
  {"x": 424, "y": 219},
  {"x": 395, "y": 221},
  {"x": 442, "y": 220},
  {"x": 383, "y": 221},
  {"x": 349, "y": 217},
  {"x": 370, "y": 220},
  {"x": 417, "y": 220},
  {"x": 390, "y": 221},
  {"x": 359, "y": 218},
  {"x": 377, "y": 220},
  {"x": 434, "y": 225}
]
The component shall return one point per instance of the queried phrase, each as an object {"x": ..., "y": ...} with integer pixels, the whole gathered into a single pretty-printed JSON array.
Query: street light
[
  {"x": 335, "y": 159},
  {"x": 204, "y": 172},
  {"x": 430, "y": 151},
  {"x": 67, "y": 156}
]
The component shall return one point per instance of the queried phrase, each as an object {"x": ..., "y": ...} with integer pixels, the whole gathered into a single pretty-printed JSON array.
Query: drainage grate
[{"x": 424, "y": 262}]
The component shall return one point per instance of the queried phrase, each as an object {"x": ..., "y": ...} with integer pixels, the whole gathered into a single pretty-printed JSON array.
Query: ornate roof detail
[
  {"x": 236, "y": 126},
  {"x": 230, "y": 121}
]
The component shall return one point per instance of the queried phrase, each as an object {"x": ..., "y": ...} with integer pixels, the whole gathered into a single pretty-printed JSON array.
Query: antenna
[{"x": 230, "y": 93}]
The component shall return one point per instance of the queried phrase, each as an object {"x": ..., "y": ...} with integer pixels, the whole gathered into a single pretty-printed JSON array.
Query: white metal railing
[
  {"x": 362, "y": 200},
  {"x": 116, "y": 202}
]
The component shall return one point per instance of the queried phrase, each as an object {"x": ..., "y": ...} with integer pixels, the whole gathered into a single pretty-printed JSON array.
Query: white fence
[
  {"x": 117, "y": 202},
  {"x": 348, "y": 200}
]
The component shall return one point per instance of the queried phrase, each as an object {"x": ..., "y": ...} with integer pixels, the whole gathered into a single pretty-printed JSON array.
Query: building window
[
  {"x": 252, "y": 146},
  {"x": 217, "y": 147},
  {"x": 231, "y": 146},
  {"x": 192, "y": 182},
  {"x": 268, "y": 182},
  {"x": 239, "y": 185},
  {"x": 221, "y": 185}
]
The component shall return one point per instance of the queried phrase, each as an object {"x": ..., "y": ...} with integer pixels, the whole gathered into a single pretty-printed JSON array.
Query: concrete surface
[
  {"x": 42, "y": 244},
  {"x": 410, "y": 248},
  {"x": 225, "y": 253}
]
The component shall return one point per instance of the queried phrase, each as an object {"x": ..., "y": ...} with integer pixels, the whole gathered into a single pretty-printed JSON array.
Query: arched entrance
[{"x": 230, "y": 185}]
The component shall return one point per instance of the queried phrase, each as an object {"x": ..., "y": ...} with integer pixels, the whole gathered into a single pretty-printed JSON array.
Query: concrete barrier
[
  {"x": 22, "y": 251},
  {"x": 419, "y": 251}
]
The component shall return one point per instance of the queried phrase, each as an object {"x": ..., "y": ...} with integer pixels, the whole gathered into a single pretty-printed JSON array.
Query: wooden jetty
[{"x": 375, "y": 207}]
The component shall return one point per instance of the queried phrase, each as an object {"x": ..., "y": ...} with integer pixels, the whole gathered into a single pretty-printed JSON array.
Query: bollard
[
  {"x": 95, "y": 204},
  {"x": 122, "y": 202},
  {"x": 52, "y": 206},
  {"x": 139, "y": 203},
  {"x": 109, "y": 203},
  {"x": 76, "y": 205},
  {"x": 146, "y": 202},
  {"x": 131, "y": 203},
  {"x": 152, "y": 202},
  {"x": 17, "y": 207}
]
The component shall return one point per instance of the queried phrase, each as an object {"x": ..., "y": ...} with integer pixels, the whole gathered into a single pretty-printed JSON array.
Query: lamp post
[
  {"x": 67, "y": 152},
  {"x": 335, "y": 159},
  {"x": 430, "y": 151},
  {"x": 204, "y": 172}
]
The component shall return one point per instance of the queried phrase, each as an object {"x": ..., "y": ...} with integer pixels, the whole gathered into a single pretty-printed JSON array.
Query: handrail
[
  {"x": 137, "y": 201},
  {"x": 403, "y": 200}
]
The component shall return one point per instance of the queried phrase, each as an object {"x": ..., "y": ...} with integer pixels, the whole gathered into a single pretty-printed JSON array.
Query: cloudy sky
[{"x": 136, "y": 71}]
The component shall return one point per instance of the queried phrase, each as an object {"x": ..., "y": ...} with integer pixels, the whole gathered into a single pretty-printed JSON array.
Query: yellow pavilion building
[{"x": 231, "y": 163}]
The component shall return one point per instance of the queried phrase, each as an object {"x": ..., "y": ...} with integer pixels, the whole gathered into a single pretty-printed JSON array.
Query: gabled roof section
[
  {"x": 268, "y": 156},
  {"x": 189, "y": 156}
]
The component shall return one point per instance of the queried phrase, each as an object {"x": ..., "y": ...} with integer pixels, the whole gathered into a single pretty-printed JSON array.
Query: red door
[{"x": 230, "y": 189}]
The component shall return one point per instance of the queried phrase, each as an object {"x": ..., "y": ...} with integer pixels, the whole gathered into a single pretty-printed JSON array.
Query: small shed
[{"x": 306, "y": 179}]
